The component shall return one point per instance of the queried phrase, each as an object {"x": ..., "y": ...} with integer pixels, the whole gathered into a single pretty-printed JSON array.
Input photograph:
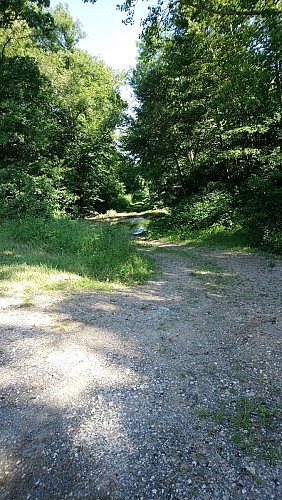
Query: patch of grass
[
  {"x": 212, "y": 279},
  {"x": 217, "y": 236},
  {"x": 28, "y": 301},
  {"x": 216, "y": 415},
  {"x": 202, "y": 413},
  {"x": 61, "y": 325},
  {"x": 65, "y": 254},
  {"x": 233, "y": 238},
  {"x": 253, "y": 427},
  {"x": 244, "y": 410},
  {"x": 254, "y": 424}
]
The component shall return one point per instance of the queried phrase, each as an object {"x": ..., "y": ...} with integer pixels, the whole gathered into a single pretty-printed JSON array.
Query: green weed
[
  {"x": 218, "y": 414},
  {"x": 202, "y": 413},
  {"x": 28, "y": 301},
  {"x": 252, "y": 426}
]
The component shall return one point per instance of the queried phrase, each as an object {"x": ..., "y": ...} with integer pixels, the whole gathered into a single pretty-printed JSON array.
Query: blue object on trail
[{"x": 138, "y": 231}]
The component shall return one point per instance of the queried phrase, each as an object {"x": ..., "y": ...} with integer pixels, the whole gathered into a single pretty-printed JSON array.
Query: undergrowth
[
  {"x": 62, "y": 253},
  {"x": 217, "y": 236},
  {"x": 231, "y": 236}
]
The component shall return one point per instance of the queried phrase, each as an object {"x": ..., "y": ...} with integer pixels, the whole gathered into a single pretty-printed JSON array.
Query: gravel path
[{"x": 170, "y": 390}]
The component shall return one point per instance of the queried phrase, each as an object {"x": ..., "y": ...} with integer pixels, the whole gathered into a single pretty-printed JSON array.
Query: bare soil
[{"x": 169, "y": 390}]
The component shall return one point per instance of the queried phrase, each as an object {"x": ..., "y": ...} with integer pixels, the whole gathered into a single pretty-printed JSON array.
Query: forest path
[{"x": 169, "y": 390}]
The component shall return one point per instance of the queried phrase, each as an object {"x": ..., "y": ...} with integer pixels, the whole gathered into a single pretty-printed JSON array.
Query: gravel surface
[{"x": 170, "y": 390}]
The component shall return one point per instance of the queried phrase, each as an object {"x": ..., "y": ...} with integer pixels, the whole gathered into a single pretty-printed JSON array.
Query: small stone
[{"x": 251, "y": 470}]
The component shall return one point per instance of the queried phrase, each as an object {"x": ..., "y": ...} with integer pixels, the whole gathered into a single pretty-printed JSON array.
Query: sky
[{"x": 107, "y": 37}]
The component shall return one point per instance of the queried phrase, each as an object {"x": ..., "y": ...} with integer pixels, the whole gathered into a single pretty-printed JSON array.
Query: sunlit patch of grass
[
  {"x": 219, "y": 237},
  {"x": 122, "y": 216},
  {"x": 69, "y": 255},
  {"x": 61, "y": 326},
  {"x": 20, "y": 277},
  {"x": 28, "y": 301},
  {"x": 214, "y": 279}
]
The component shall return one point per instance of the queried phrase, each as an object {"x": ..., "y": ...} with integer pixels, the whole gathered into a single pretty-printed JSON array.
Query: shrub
[
  {"x": 262, "y": 217},
  {"x": 203, "y": 210}
]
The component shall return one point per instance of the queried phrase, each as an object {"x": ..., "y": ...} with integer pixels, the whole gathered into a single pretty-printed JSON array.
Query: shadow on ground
[{"x": 100, "y": 390}]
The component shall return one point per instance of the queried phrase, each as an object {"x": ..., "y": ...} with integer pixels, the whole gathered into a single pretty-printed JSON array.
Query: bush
[
  {"x": 203, "y": 210},
  {"x": 121, "y": 203},
  {"x": 25, "y": 195},
  {"x": 262, "y": 219}
]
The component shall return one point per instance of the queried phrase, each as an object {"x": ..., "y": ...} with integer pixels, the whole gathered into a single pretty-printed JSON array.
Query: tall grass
[
  {"x": 97, "y": 252},
  {"x": 233, "y": 237},
  {"x": 216, "y": 236}
]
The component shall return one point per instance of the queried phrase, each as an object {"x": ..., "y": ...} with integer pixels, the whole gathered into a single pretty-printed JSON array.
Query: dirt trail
[{"x": 170, "y": 390}]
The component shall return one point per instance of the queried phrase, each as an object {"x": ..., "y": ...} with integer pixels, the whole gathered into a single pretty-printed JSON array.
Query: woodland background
[{"x": 204, "y": 138}]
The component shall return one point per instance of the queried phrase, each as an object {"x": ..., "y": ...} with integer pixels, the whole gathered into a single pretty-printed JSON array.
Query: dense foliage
[
  {"x": 205, "y": 139},
  {"x": 59, "y": 108},
  {"x": 207, "y": 131}
]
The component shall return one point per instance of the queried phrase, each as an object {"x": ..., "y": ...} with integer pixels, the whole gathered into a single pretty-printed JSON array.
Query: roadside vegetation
[
  {"x": 217, "y": 236},
  {"x": 65, "y": 254}
]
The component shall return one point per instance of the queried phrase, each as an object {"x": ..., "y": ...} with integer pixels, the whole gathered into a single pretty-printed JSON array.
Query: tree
[
  {"x": 208, "y": 118},
  {"x": 59, "y": 108},
  {"x": 33, "y": 13},
  {"x": 90, "y": 111},
  {"x": 221, "y": 8}
]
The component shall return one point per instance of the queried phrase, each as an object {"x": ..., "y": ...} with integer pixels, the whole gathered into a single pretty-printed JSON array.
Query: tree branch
[
  {"x": 231, "y": 12},
  {"x": 129, "y": 4}
]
